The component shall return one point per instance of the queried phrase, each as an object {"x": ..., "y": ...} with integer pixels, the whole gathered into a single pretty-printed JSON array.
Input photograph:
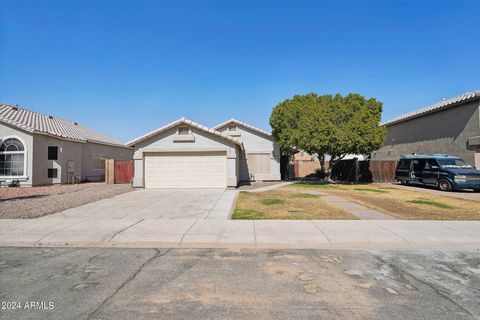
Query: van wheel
[
  {"x": 444, "y": 185},
  {"x": 403, "y": 182}
]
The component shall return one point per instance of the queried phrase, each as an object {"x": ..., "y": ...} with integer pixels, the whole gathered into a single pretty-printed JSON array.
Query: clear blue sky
[{"x": 127, "y": 67}]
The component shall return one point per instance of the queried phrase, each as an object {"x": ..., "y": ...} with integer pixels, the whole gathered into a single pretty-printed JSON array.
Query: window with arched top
[{"x": 12, "y": 158}]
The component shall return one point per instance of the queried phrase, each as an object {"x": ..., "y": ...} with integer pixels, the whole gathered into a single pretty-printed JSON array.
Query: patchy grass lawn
[
  {"x": 285, "y": 204},
  {"x": 433, "y": 203},
  {"x": 399, "y": 203}
]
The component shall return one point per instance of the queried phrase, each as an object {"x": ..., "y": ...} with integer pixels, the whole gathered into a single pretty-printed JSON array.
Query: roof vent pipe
[
  {"x": 15, "y": 107},
  {"x": 50, "y": 117},
  {"x": 443, "y": 99}
]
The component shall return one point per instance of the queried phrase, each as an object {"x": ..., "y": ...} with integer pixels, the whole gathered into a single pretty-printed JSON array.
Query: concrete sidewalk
[{"x": 199, "y": 233}]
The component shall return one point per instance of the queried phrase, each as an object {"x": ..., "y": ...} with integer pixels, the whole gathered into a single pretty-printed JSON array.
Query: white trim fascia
[
  {"x": 189, "y": 123},
  {"x": 242, "y": 124}
]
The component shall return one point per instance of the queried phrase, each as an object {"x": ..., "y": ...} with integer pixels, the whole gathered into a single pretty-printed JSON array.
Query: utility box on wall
[{"x": 70, "y": 171}]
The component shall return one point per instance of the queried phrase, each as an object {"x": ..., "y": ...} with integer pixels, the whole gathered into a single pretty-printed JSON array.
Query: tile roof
[
  {"x": 187, "y": 122},
  {"x": 38, "y": 123},
  {"x": 243, "y": 124},
  {"x": 461, "y": 99}
]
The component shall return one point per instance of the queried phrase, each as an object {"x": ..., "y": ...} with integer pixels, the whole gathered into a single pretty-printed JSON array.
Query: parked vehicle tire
[
  {"x": 404, "y": 183},
  {"x": 444, "y": 185},
  {"x": 476, "y": 190}
]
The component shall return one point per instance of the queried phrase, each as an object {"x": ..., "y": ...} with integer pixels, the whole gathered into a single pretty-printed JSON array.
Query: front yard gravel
[{"x": 27, "y": 203}]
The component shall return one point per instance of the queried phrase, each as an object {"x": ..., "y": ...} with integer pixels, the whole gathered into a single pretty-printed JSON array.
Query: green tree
[{"x": 328, "y": 125}]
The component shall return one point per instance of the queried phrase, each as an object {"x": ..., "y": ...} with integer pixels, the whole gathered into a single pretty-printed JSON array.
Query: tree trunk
[
  {"x": 321, "y": 159},
  {"x": 331, "y": 163}
]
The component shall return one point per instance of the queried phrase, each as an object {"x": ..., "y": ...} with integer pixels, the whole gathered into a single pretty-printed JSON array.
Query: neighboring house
[
  {"x": 37, "y": 149},
  {"x": 306, "y": 164},
  {"x": 185, "y": 154},
  {"x": 450, "y": 126}
]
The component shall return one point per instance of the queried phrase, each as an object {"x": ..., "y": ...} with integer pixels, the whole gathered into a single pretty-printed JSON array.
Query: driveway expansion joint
[
  {"x": 122, "y": 230},
  {"x": 185, "y": 233},
  {"x": 317, "y": 227}
]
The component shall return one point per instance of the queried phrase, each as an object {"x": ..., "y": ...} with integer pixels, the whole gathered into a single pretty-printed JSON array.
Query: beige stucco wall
[
  {"x": 255, "y": 142},
  {"x": 109, "y": 152},
  {"x": 67, "y": 151},
  {"x": 203, "y": 141},
  {"x": 7, "y": 131},
  {"x": 446, "y": 131},
  {"x": 81, "y": 153}
]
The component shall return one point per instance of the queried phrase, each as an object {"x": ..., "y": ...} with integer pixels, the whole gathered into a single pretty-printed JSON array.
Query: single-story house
[
  {"x": 451, "y": 126},
  {"x": 38, "y": 149},
  {"x": 185, "y": 154}
]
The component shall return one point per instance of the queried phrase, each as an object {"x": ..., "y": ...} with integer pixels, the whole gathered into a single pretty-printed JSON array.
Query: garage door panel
[{"x": 186, "y": 170}]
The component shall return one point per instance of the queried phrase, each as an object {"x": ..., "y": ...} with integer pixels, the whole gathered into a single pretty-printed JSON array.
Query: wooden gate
[
  {"x": 123, "y": 171},
  {"x": 383, "y": 171}
]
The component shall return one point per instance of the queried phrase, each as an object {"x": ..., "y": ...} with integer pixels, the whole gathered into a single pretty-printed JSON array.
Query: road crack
[{"x": 107, "y": 300}]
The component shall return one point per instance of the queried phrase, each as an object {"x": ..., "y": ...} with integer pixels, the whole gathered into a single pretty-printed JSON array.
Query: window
[
  {"x": 430, "y": 164},
  {"x": 52, "y": 173},
  {"x": 52, "y": 153},
  {"x": 454, "y": 163},
  {"x": 98, "y": 162},
  {"x": 233, "y": 128},
  {"x": 183, "y": 131},
  {"x": 404, "y": 164},
  {"x": 12, "y": 158},
  {"x": 258, "y": 162}
]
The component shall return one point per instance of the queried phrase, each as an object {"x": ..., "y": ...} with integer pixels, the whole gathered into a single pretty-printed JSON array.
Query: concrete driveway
[{"x": 158, "y": 204}]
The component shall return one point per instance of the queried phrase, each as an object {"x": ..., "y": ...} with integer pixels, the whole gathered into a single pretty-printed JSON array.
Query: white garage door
[{"x": 186, "y": 170}]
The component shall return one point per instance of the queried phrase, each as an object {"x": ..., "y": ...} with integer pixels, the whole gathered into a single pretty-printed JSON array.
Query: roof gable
[
  {"x": 38, "y": 123},
  {"x": 186, "y": 122},
  {"x": 242, "y": 124}
]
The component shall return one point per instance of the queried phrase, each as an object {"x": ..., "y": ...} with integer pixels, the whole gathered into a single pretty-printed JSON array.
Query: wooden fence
[
  {"x": 118, "y": 172},
  {"x": 383, "y": 171}
]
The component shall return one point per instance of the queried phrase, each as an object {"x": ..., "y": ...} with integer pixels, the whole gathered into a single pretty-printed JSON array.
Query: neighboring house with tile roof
[
  {"x": 185, "y": 154},
  {"x": 38, "y": 149},
  {"x": 451, "y": 126}
]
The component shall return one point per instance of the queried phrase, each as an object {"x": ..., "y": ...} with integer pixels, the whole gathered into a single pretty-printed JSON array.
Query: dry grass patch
[
  {"x": 292, "y": 205},
  {"x": 404, "y": 204}
]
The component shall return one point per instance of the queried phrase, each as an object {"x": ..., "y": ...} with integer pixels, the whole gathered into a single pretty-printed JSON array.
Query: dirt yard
[
  {"x": 286, "y": 204},
  {"x": 26, "y": 203},
  {"x": 411, "y": 204}
]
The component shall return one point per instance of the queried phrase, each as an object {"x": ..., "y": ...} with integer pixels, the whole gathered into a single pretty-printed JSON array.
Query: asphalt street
[{"x": 74, "y": 283}]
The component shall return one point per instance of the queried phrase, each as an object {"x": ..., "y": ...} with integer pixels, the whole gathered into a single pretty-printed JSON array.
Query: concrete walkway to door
[{"x": 158, "y": 204}]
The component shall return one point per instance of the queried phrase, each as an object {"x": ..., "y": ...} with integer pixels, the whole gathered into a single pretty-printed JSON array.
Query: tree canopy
[{"x": 333, "y": 125}]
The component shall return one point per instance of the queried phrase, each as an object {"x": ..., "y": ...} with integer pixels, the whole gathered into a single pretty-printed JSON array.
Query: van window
[
  {"x": 418, "y": 164},
  {"x": 431, "y": 163},
  {"x": 453, "y": 163},
  {"x": 403, "y": 164}
]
